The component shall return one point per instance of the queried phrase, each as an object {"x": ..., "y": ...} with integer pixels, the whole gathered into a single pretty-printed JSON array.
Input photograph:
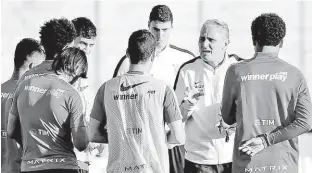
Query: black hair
[
  {"x": 55, "y": 35},
  {"x": 141, "y": 46},
  {"x": 84, "y": 27},
  {"x": 268, "y": 29},
  {"x": 24, "y": 48},
  {"x": 161, "y": 13}
]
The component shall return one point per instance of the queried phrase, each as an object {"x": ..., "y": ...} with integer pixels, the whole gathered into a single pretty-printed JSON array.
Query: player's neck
[
  {"x": 17, "y": 74},
  {"x": 64, "y": 77},
  {"x": 140, "y": 67},
  {"x": 267, "y": 49}
]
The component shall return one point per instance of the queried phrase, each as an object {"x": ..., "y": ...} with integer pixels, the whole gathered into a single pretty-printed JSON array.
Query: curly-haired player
[
  {"x": 270, "y": 101},
  {"x": 55, "y": 35}
]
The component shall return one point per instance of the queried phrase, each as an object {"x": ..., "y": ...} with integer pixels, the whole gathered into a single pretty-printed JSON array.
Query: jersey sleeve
[
  {"x": 98, "y": 110},
  {"x": 77, "y": 111},
  {"x": 171, "y": 109},
  {"x": 13, "y": 101},
  {"x": 303, "y": 118},
  {"x": 228, "y": 106},
  {"x": 122, "y": 66}
]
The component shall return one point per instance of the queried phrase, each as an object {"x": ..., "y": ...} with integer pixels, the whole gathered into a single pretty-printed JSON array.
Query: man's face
[
  {"x": 84, "y": 44},
  {"x": 212, "y": 43},
  {"x": 161, "y": 32}
]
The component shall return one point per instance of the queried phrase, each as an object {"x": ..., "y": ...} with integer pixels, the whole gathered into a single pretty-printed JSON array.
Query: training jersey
[
  {"x": 48, "y": 108},
  {"x": 165, "y": 65},
  {"x": 266, "y": 95},
  {"x": 11, "y": 153},
  {"x": 135, "y": 107},
  {"x": 44, "y": 68},
  {"x": 204, "y": 144}
]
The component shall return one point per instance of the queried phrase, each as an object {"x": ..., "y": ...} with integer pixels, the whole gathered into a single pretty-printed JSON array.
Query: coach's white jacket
[{"x": 204, "y": 143}]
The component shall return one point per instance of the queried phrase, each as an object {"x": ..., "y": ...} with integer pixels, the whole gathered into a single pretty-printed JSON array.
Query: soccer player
[
  {"x": 47, "y": 116},
  {"x": 28, "y": 54},
  {"x": 165, "y": 67},
  {"x": 270, "y": 101},
  {"x": 85, "y": 40},
  {"x": 54, "y": 36},
  {"x": 85, "y": 34},
  {"x": 198, "y": 87},
  {"x": 130, "y": 110},
  {"x": 168, "y": 57}
]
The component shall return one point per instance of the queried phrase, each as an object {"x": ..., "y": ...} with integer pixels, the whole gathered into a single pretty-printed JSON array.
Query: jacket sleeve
[
  {"x": 228, "y": 106},
  {"x": 303, "y": 118}
]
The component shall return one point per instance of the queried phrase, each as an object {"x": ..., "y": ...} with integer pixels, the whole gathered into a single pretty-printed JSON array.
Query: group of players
[{"x": 216, "y": 113}]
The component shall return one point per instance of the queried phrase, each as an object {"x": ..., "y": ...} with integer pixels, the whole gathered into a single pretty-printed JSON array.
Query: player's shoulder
[
  {"x": 290, "y": 68},
  {"x": 59, "y": 85},
  {"x": 236, "y": 57},
  {"x": 190, "y": 64},
  {"x": 8, "y": 86},
  {"x": 179, "y": 50}
]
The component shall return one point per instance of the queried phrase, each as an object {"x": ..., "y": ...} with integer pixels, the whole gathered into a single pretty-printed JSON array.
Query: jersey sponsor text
[
  {"x": 271, "y": 168},
  {"x": 125, "y": 97},
  {"x": 54, "y": 92},
  {"x": 6, "y": 95},
  {"x": 282, "y": 76}
]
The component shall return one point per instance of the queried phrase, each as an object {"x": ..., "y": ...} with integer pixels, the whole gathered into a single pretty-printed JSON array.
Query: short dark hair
[
  {"x": 268, "y": 29},
  {"x": 84, "y": 27},
  {"x": 141, "y": 46},
  {"x": 55, "y": 35},
  {"x": 161, "y": 13},
  {"x": 72, "y": 61},
  {"x": 24, "y": 48}
]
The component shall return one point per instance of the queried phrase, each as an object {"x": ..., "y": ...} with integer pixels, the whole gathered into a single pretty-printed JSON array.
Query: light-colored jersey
[
  {"x": 11, "y": 153},
  {"x": 165, "y": 65},
  {"x": 204, "y": 144},
  {"x": 135, "y": 108},
  {"x": 48, "y": 108},
  {"x": 266, "y": 95}
]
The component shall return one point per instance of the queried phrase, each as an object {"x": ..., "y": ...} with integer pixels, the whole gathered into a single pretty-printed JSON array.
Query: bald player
[{"x": 28, "y": 54}]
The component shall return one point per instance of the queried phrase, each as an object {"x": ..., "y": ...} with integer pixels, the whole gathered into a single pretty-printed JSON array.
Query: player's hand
[
  {"x": 252, "y": 146},
  {"x": 226, "y": 129}
]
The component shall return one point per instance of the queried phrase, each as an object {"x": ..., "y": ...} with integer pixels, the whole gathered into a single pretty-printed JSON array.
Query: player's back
[
  {"x": 45, "y": 105},
  {"x": 266, "y": 101},
  {"x": 10, "y": 153},
  {"x": 135, "y": 123},
  {"x": 39, "y": 70}
]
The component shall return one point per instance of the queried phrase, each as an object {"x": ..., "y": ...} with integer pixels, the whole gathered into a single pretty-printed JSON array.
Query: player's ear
[
  {"x": 149, "y": 24},
  {"x": 31, "y": 65},
  {"x": 226, "y": 43},
  {"x": 127, "y": 54},
  {"x": 281, "y": 43}
]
